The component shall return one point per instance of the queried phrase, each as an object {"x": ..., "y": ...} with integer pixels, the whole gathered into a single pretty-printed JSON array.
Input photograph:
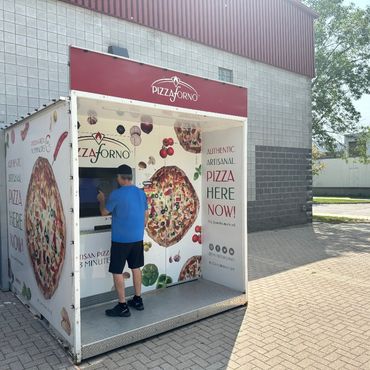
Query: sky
[
  {"x": 361, "y": 3},
  {"x": 362, "y": 105}
]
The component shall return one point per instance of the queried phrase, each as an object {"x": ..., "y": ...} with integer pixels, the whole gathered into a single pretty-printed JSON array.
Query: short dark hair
[{"x": 124, "y": 170}]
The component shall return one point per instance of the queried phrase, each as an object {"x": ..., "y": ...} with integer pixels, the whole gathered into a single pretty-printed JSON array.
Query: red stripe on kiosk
[{"x": 113, "y": 76}]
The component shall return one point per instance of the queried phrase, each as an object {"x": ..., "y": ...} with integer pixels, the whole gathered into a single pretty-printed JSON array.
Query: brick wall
[
  {"x": 284, "y": 188},
  {"x": 34, "y": 39}
]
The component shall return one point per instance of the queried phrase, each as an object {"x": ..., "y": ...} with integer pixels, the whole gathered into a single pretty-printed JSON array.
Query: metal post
[
  {"x": 4, "y": 278},
  {"x": 75, "y": 230}
]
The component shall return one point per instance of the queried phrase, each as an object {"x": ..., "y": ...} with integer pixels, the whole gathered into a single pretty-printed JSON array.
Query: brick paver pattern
[{"x": 309, "y": 308}]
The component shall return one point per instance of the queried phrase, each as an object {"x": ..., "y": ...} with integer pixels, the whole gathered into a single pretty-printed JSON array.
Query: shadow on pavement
[
  {"x": 271, "y": 252},
  {"x": 207, "y": 344}
]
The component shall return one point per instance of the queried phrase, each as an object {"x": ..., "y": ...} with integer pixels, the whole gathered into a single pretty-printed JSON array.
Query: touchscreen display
[{"x": 90, "y": 181}]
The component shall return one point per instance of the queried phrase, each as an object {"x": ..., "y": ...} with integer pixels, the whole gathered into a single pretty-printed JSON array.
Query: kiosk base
[{"x": 165, "y": 309}]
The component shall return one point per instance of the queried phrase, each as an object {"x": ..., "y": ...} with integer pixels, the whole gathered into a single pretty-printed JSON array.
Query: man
[{"x": 128, "y": 206}]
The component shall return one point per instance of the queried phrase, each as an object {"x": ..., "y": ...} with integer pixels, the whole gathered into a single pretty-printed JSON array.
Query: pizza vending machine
[
  {"x": 191, "y": 168},
  {"x": 185, "y": 138}
]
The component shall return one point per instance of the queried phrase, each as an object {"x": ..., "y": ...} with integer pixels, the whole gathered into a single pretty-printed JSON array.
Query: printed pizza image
[
  {"x": 65, "y": 322},
  {"x": 173, "y": 205},
  {"x": 189, "y": 136},
  {"x": 191, "y": 268},
  {"x": 45, "y": 227}
]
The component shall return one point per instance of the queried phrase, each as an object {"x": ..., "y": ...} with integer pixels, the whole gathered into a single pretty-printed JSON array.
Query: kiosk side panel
[
  {"x": 38, "y": 173},
  {"x": 223, "y": 215}
]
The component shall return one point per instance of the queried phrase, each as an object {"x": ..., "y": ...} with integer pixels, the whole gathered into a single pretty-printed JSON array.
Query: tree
[
  {"x": 342, "y": 48},
  {"x": 317, "y": 165},
  {"x": 363, "y": 145}
]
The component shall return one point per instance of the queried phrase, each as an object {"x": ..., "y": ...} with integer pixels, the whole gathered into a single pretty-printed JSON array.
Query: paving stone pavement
[{"x": 309, "y": 308}]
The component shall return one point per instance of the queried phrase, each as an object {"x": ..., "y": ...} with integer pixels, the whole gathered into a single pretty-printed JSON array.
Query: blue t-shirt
[{"x": 127, "y": 205}]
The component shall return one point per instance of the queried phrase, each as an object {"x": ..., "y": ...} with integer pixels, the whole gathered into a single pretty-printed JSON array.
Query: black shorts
[{"x": 133, "y": 253}]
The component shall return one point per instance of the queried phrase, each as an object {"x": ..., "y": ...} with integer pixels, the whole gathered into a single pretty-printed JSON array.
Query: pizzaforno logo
[
  {"x": 174, "y": 89},
  {"x": 99, "y": 146}
]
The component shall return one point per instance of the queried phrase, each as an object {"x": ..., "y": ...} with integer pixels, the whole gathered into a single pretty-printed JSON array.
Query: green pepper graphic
[{"x": 150, "y": 274}]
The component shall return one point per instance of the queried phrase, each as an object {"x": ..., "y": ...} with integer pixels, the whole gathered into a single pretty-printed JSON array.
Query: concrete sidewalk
[
  {"x": 358, "y": 210},
  {"x": 309, "y": 302}
]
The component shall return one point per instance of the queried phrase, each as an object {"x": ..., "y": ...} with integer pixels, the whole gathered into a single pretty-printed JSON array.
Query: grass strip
[{"x": 325, "y": 200}]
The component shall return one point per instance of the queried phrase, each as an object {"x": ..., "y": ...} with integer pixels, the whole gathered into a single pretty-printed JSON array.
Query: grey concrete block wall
[
  {"x": 284, "y": 188},
  {"x": 34, "y": 40}
]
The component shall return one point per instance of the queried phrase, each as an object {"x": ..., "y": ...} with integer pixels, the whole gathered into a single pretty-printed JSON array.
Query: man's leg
[
  {"x": 135, "y": 262},
  {"x": 116, "y": 266},
  {"x": 137, "y": 281},
  {"x": 136, "y": 301},
  {"x": 119, "y": 283}
]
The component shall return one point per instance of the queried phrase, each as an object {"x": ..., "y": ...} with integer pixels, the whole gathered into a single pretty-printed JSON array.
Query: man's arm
[{"x": 101, "y": 200}]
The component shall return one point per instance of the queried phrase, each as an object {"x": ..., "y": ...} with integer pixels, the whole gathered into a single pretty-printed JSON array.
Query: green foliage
[
  {"x": 339, "y": 200},
  {"x": 342, "y": 48},
  {"x": 317, "y": 165},
  {"x": 363, "y": 145}
]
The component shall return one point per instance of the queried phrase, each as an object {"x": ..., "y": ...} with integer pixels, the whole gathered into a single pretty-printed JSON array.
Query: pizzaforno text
[
  {"x": 175, "y": 94},
  {"x": 101, "y": 152}
]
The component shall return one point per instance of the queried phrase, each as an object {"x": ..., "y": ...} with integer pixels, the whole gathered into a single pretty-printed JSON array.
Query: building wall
[
  {"x": 276, "y": 32},
  {"x": 283, "y": 178},
  {"x": 342, "y": 177},
  {"x": 354, "y": 139},
  {"x": 34, "y": 39}
]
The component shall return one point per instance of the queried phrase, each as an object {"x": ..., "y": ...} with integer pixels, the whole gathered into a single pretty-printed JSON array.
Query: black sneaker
[
  {"x": 136, "y": 302},
  {"x": 119, "y": 310}
]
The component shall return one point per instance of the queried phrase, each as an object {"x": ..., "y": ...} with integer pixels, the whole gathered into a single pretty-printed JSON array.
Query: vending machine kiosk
[{"x": 185, "y": 139}]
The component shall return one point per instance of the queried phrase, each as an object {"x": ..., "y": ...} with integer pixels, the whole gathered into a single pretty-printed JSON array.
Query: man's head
[{"x": 124, "y": 175}]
